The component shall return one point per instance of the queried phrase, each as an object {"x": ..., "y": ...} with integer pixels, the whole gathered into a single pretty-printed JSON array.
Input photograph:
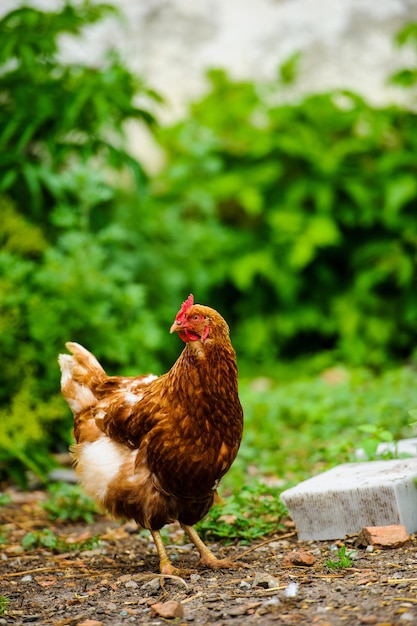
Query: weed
[
  {"x": 47, "y": 539},
  {"x": 69, "y": 503},
  {"x": 254, "y": 512},
  {"x": 374, "y": 436},
  {"x": 344, "y": 559},
  {"x": 4, "y": 603},
  {"x": 4, "y": 499}
]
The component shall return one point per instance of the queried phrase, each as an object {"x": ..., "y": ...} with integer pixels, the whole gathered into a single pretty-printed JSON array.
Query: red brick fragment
[
  {"x": 298, "y": 557},
  {"x": 393, "y": 536}
]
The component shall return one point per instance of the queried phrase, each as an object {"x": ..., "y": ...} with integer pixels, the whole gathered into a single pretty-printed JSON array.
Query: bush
[
  {"x": 305, "y": 214},
  {"x": 67, "y": 270}
]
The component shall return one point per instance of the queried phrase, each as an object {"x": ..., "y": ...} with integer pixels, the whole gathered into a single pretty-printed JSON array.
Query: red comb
[{"x": 185, "y": 306}]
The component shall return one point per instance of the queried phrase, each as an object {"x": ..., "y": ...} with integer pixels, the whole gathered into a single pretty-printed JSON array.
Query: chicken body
[{"x": 154, "y": 449}]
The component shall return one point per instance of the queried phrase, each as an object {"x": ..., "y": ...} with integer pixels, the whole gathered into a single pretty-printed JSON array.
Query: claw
[{"x": 214, "y": 563}]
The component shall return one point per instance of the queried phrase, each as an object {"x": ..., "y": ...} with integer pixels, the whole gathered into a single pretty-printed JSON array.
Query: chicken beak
[{"x": 176, "y": 326}]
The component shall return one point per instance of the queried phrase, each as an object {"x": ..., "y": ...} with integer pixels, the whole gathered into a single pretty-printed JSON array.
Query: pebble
[
  {"x": 245, "y": 585},
  {"x": 298, "y": 557},
  {"x": 131, "y": 585},
  {"x": 124, "y": 579},
  {"x": 169, "y": 609},
  {"x": 368, "y": 619},
  {"x": 262, "y": 579},
  {"x": 27, "y": 579},
  {"x": 111, "y": 606},
  {"x": 195, "y": 577},
  {"x": 237, "y": 611},
  {"x": 407, "y": 617},
  {"x": 151, "y": 585}
]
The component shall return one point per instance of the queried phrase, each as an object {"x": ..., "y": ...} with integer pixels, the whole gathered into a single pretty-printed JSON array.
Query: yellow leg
[
  {"x": 165, "y": 564},
  {"x": 207, "y": 557}
]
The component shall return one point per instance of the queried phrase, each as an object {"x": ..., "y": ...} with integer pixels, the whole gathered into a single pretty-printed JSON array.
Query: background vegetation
[{"x": 296, "y": 220}]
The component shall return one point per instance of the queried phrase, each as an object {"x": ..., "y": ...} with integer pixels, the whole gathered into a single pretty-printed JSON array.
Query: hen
[{"x": 154, "y": 449}]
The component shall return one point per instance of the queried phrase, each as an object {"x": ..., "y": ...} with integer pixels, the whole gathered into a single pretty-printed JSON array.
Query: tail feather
[{"x": 80, "y": 373}]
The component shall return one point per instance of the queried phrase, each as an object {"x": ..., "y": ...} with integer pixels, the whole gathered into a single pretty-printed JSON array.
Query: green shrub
[
  {"x": 296, "y": 427},
  {"x": 67, "y": 271},
  {"x": 305, "y": 215},
  {"x": 46, "y": 538},
  {"x": 69, "y": 503}
]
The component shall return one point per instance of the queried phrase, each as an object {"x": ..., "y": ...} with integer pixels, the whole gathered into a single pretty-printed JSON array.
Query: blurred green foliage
[
  {"x": 295, "y": 220},
  {"x": 67, "y": 268},
  {"x": 309, "y": 215},
  {"x": 318, "y": 421}
]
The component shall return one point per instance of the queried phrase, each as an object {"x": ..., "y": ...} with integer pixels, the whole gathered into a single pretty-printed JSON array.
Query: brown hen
[{"x": 154, "y": 449}]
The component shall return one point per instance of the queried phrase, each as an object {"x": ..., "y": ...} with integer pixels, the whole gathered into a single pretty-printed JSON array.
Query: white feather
[{"x": 99, "y": 462}]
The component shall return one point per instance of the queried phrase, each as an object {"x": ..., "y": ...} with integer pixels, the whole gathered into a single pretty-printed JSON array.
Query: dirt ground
[{"x": 116, "y": 582}]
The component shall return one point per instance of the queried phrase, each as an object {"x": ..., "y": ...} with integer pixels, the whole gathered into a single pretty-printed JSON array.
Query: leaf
[{"x": 399, "y": 192}]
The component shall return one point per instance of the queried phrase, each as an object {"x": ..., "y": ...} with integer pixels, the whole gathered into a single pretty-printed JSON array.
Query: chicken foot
[
  {"x": 207, "y": 557},
  {"x": 165, "y": 565}
]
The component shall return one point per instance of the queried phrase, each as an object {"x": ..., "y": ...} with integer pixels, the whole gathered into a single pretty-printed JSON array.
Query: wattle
[{"x": 188, "y": 335}]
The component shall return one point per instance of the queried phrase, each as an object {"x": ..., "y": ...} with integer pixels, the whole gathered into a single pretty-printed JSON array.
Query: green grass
[
  {"x": 48, "y": 539},
  {"x": 296, "y": 428},
  {"x": 69, "y": 503},
  {"x": 4, "y": 499},
  {"x": 250, "y": 514},
  {"x": 4, "y": 603}
]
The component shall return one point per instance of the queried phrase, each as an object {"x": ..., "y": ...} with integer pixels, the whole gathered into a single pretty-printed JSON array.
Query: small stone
[
  {"x": 298, "y": 557},
  {"x": 152, "y": 585},
  {"x": 168, "y": 610},
  {"x": 262, "y": 579},
  {"x": 244, "y": 585},
  {"x": 27, "y": 579},
  {"x": 236, "y": 611},
  {"x": 407, "y": 617},
  {"x": 195, "y": 577},
  {"x": 368, "y": 619},
  {"x": 131, "y": 585},
  {"x": 124, "y": 579},
  {"x": 111, "y": 606}
]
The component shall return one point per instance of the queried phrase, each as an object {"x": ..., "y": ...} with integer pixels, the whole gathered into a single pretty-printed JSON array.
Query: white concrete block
[{"x": 348, "y": 497}]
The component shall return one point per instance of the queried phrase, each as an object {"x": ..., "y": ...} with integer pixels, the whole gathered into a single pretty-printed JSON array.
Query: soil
[{"x": 117, "y": 583}]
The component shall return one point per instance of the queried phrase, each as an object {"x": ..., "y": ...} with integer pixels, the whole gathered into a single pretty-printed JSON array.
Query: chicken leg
[
  {"x": 207, "y": 557},
  {"x": 165, "y": 564}
]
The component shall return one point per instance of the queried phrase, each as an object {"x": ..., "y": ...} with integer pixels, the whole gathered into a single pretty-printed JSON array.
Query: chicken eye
[{"x": 196, "y": 317}]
